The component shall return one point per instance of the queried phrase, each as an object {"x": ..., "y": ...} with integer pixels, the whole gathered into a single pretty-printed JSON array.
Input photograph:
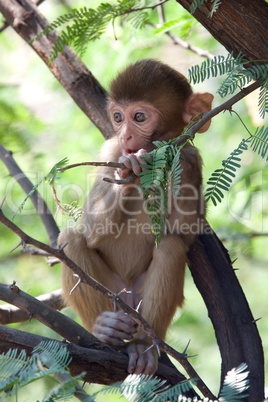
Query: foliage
[
  {"x": 161, "y": 172},
  {"x": 238, "y": 75},
  {"x": 263, "y": 99},
  {"x": 50, "y": 178},
  {"x": 16, "y": 122},
  {"x": 235, "y": 384},
  {"x": 48, "y": 358},
  {"x": 88, "y": 24},
  {"x": 198, "y": 3},
  {"x": 221, "y": 179},
  {"x": 183, "y": 23}
]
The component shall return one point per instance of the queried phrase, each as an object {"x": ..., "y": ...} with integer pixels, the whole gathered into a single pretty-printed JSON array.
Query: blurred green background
[{"x": 41, "y": 125}]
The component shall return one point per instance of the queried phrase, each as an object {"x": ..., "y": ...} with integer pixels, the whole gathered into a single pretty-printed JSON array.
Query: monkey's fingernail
[{"x": 128, "y": 337}]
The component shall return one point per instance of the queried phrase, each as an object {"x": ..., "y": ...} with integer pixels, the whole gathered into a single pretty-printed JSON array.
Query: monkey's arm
[{"x": 103, "y": 202}]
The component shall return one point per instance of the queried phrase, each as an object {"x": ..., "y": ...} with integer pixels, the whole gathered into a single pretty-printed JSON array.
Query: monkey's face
[{"x": 135, "y": 124}]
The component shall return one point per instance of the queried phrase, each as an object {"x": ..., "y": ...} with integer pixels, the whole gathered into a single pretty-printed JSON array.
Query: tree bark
[
  {"x": 234, "y": 325},
  {"x": 100, "y": 363},
  {"x": 38, "y": 202},
  {"x": 75, "y": 78},
  {"x": 239, "y": 25}
]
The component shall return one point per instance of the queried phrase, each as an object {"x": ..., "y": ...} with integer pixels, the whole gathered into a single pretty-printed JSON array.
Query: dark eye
[
  {"x": 117, "y": 117},
  {"x": 140, "y": 117}
]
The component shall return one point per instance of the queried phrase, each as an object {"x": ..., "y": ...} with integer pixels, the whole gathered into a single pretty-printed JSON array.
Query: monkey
[{"x": 148, "y": 101}]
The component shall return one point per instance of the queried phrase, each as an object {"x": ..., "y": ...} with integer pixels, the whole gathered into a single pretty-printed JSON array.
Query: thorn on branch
[
  {"x": 256, "y": 319},
  {"x": 116, "y": 295},
  {"x": 77, "y": 283},
  {"x": 186, "y": 347},
  {"x": 20, "y": 244},
  {"x": 14, "y": 287},
  {"x": 21, "y": 19}
]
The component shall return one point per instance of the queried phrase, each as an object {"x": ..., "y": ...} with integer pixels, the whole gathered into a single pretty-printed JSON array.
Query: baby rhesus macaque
[{"x": 148, "y": 101}]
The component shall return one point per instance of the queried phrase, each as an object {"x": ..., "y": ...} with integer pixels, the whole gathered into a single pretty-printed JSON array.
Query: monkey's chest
[{"x": 129, "y": 249}]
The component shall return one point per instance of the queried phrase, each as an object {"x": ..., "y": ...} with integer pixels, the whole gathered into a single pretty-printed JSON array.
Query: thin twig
[
  {"x": 185, "y": 45},
  {"x": 85, "y": 278},
  {"x": 132, "y": 9},
  {"x": 105, "y": 164}
]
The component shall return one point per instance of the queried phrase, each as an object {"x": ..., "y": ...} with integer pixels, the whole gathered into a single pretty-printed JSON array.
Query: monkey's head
[{"x": 151, "y": 101}]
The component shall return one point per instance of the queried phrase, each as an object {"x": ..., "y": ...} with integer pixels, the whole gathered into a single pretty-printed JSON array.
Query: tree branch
[
  {"x": 189, "y": 134},
  {"x": 99, "y": 363},
  {"x": 38, "y": 202},
  {"x": 85, "y": 278},
  {"x": 78, "y": 81},
  {"x": 58, "y": 322},
  {"x": 179, "y": 41},
  {"x": 234, "y": 325},
  {"x": 10, "y": 314},
  {"x": 233, "y": 24}
]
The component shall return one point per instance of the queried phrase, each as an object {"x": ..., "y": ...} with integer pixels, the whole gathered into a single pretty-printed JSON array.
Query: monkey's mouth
[{"x": 131, "y": 151}]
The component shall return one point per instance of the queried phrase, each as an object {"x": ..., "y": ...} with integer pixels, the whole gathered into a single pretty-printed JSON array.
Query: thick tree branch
[
  {"x": 10, "y": 314},
  {"x": 59, "y": 323},
  {"x": 239, "y": 25},
  {"x": 78, "y": 81},
  {"x": 100, "y": 363},
  {"x": 235, "y": 327}
]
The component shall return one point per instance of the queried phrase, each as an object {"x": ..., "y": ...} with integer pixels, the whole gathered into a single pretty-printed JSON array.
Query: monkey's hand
[
  {"x": 142, "y": 358},
  {"x": 112, "y": 328},
  {"x": 133, "y": 163}
]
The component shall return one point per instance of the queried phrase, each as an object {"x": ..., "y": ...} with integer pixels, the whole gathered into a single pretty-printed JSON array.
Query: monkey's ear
[{"x": 199, "y": 102}]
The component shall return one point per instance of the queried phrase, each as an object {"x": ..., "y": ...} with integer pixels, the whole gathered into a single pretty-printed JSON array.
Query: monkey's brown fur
[{"x": 162, "y": 97}]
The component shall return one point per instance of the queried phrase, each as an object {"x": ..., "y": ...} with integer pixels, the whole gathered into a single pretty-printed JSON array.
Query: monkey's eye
[
  {"x": 117, "y": 117},
  {"x": 140, "y": 117}
]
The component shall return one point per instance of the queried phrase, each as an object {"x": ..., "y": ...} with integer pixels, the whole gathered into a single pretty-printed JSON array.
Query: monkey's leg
[
  {"x": 93, "y": 308},
  {"x": 163, "y": 284},
  {"x": 87, "y": 302}
]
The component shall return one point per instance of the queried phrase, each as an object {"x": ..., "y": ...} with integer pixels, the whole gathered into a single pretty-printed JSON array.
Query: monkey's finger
[
  {"x": 135, "y": 165},
  {"x": 119, "y": 320},
  {"x": 126, "y": 161},
  {"x": 133, "y": 356},
  {"x": 113, "y": 328},
  {"x": 111, "y": 336},
  {"x": 141, "y": 154},
  {"x": 131, "y": 162},
  {"x": 111, "y": 341}
]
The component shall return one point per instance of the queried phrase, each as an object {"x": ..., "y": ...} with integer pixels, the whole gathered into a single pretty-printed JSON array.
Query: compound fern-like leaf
[
  {"x": 161, "y": 171},
  {"x": 241, "y": 76},
  {"x": 235, "y": 384},
  {"x": 221, "y": 179},
  {"x": 219, "y": 65},
  {"x": 259, "y": 142},
  {"x": 263, "y": 99}
]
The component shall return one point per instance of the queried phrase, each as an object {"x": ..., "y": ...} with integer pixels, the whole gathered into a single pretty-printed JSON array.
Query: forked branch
[{"x": 85, "y": 278}]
